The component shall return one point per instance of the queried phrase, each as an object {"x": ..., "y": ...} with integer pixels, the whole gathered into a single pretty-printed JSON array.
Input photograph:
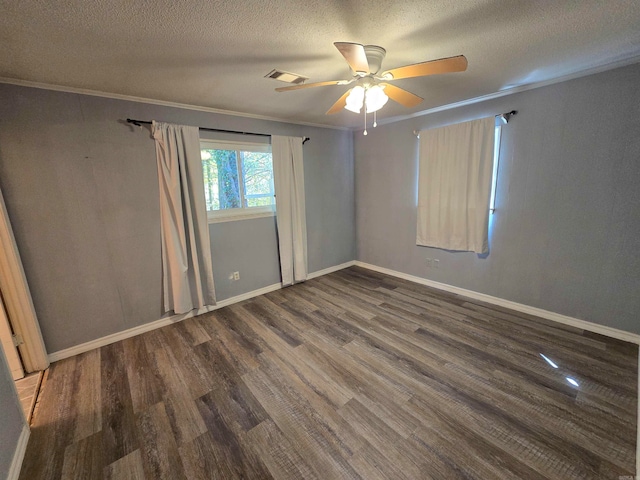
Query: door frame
[
  {"x": 17, "y": 298},
  {"x": 8, "y": 345}
]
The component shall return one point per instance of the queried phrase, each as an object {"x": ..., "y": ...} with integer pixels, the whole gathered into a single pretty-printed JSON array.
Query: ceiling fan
[{"x": 372, "y": 88}]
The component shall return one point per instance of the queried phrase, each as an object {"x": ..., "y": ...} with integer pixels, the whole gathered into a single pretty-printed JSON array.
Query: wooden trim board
[{"x": 17, "y": 298}]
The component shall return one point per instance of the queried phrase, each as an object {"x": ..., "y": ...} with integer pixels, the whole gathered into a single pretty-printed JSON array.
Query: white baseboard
[
  {"x": 16, "y": 464},
  {"x": 538, "y": 312},
  {"x": 335, "y": 268},
  {"x": 132, "y": 332},
  {"x": 18, "y": 456},
  {"x": 245, "y": 296},
  {"x": 575, "y": 322}
]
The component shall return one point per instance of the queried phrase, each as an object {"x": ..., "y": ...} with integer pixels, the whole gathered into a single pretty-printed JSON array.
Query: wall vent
[{"x": 287, "y": 77}]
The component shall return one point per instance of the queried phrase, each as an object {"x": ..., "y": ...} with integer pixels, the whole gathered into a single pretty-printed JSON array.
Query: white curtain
[
  {"x": 187, "y": 274},
  {"x": 454, "y": 186},
  {"x": 288, "y": 175}
]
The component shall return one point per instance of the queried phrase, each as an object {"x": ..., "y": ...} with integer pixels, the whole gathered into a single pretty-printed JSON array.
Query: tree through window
[{"x": 238, "y": 178}]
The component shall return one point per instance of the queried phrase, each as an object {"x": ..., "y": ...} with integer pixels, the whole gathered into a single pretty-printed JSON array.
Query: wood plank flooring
[{"x": 354, "y": 375}]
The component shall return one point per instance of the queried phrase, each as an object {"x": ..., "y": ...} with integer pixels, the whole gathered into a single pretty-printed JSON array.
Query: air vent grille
[{"x": 287, "y": 77}]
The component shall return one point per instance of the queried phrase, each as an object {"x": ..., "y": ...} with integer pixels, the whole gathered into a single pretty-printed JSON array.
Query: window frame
[{"x": 240, "y": 213}]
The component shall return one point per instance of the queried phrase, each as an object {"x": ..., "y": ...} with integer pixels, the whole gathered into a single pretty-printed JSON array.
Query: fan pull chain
[
  {"x": 375, "y": 121},
  {"x": 365, "y": 120}
]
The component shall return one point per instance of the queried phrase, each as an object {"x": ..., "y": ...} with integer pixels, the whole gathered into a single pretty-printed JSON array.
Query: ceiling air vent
[{"x": 286, "y": 77}]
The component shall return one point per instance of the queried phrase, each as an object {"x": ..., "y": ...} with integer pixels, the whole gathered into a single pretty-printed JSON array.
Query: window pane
[
  {"x": 221, "y": 186},
  {"x": 496, "y": 159},
  {"x": 257, "y": 170}
]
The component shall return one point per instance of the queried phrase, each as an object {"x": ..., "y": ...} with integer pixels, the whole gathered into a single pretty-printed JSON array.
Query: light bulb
[
  {"x": 375, "y": 98},
  {"x": 355, "y": 99}
]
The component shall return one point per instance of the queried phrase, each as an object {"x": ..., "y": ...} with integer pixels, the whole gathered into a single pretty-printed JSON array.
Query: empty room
[{"x": 319, "y": 240}]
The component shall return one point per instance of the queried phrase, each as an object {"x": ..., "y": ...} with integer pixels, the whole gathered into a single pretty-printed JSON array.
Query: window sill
[{"x": 244, "y": 215}]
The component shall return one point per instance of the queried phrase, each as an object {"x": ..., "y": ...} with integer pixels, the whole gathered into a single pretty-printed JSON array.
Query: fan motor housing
[{"x": 375, "y": 55}]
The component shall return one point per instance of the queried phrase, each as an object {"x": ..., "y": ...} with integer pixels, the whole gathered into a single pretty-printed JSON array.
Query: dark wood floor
[{"x": 351, "y": 375}]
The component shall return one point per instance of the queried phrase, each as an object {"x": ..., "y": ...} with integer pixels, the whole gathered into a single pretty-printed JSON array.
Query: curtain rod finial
[
  {"x": 504, "y": 117},
  {"x": 134, "y": 122}
]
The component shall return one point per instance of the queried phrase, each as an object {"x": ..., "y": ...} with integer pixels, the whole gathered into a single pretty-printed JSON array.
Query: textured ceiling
[{"x": 216, "y": 53}]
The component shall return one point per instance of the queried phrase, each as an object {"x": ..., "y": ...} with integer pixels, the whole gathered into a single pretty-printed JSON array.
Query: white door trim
[
  {"x": 17, "y": 298},
  {"x": 10, "y": 350}
]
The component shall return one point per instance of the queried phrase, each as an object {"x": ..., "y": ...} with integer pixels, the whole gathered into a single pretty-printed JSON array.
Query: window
[
  {"x": 238, "y": 180},
  {"x": 454, "y": 186},
  {"x": 496, "y": 158}
]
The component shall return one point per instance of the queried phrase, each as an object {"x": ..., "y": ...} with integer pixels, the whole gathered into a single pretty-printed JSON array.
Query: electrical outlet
[
  {"x": 436, "y": 263},
  {"x": 236, "y": 275}
]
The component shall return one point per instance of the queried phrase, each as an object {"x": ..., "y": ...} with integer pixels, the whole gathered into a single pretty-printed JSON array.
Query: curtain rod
[
  {"x": 504, "y": 117},
  {"x": 139, "y": 123}
]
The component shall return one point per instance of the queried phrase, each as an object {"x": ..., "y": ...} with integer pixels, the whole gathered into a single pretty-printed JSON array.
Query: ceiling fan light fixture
[
  {"x": 373, "y": 89},
  {"x": 375, "y": 98},
  {"x": 372, "y": 97},
  {"x": 355, "y": 99}
]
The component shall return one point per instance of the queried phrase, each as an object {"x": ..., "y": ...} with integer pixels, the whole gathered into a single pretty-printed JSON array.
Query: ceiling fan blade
[
  {"x": 355, "y": 56},
  {"x": 310, "y": 85},
  {"x": 433, "y": 67},
  {"x": 339, "y": 105},
  {"x": 401, "y": 96}
]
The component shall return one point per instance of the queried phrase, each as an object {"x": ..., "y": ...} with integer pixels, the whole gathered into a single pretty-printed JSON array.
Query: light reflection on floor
[{"x": 571, "y": 380}]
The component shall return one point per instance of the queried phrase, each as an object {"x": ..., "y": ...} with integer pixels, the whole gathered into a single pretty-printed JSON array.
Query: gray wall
[
  {"x": 566, "y": 233},
  {"x": 11, "y": 419},
  {"x": 81, "y": 191}
]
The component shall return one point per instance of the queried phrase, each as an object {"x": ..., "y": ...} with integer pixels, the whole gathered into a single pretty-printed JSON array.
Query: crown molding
[
  {"x": 152, "y": 101},
  {"x": 623, "y": 62},
  {"x": 510, "y": 91}
]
